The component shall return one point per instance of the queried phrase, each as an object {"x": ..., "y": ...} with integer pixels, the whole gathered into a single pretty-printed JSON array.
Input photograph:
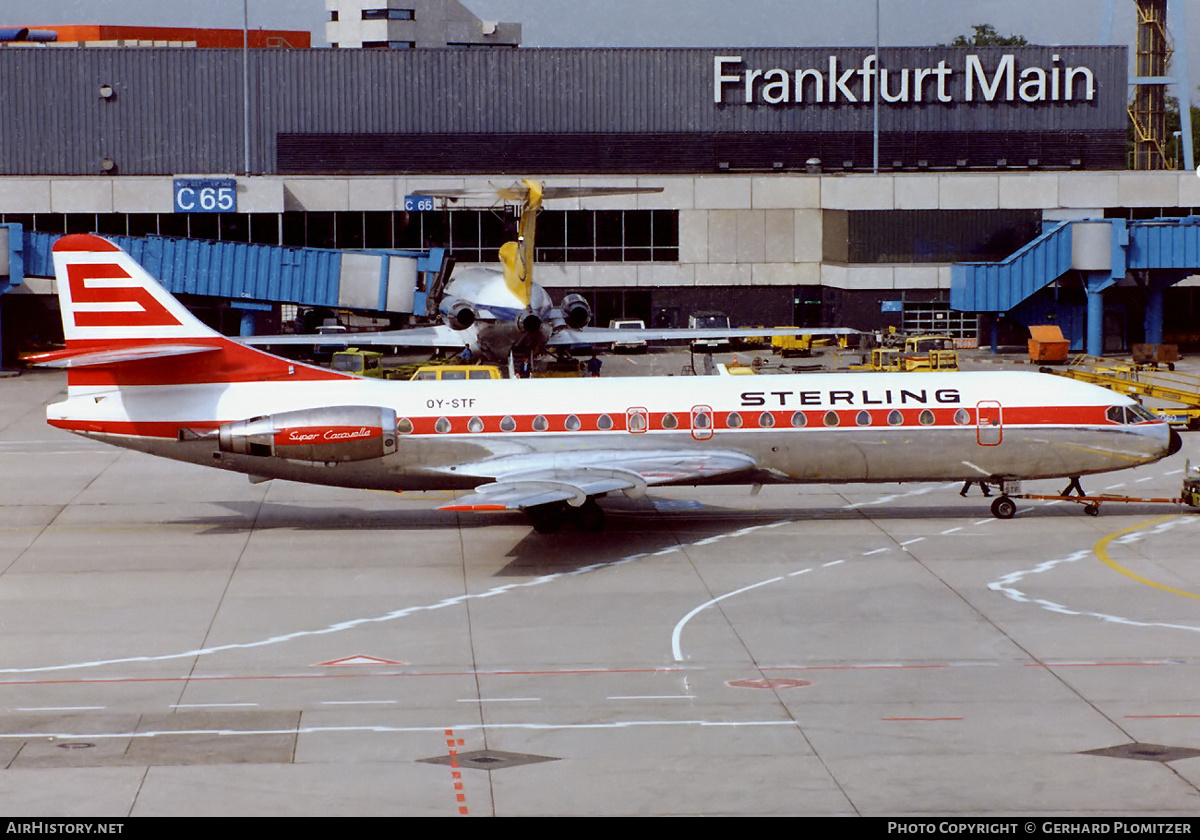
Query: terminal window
[{"x": 472, "y": 236}]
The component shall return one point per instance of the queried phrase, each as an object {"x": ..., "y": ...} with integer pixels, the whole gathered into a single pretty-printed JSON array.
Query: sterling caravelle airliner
[{"x": 143, "y": 373}]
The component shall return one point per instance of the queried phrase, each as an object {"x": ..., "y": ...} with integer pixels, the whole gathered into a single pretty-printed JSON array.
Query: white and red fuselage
[{"x": 144, "y": 374}]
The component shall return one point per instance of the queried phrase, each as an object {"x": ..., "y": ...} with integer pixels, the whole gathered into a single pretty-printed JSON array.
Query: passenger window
[
  {"x": 404, "y": 426},
  {"x": 475, "y": 424},
  {"x": 863, "y": 418},
  {"x": 508, "y": 424},
  {"x": 895, "y": 418},
  {"x": 669, "y": 421},
  {"x": 454, "y": 374},
  {"x": 733, "y": 420},
  {"x": 925, "y": 418},
  {"x": 766, "y": 420},
  {"x": 572, "y": 424},
  {"x": 799, "y": 420},
  {"x": 962, "y": 417},
  {"x": 831, "y": 418},
  {"x": 540, "y": 424},
  {"x": 442, "y": 426},
  {"x": 604, "y": 423}
]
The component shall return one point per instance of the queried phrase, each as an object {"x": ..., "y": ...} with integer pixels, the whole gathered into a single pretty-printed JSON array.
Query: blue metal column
[
  {"x": 1154, "y": 314},
  {"x": 1094, "y": 283},
  {"x": 249, "y": 310}
]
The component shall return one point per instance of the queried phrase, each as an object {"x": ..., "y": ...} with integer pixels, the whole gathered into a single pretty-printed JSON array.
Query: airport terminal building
[{"x": 811, "y": 186}]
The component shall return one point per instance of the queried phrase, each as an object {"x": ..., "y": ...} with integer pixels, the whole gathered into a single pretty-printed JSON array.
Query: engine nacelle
[
  {"x": 575, "y": 311},
  {"x": 336, "y": 433},
  {"x": 529, "y": 322},
  {"x": 458, "y": 314}
]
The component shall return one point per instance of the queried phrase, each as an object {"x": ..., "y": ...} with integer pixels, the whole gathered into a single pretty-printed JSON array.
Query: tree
[{"x": 987, "y": 36}]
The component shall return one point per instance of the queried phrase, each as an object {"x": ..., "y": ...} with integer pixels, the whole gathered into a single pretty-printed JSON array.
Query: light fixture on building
[
  {"x": 107, "y": 164},
  {"x": 106, "y": 92},
  {"x": 813, "y": 166}
]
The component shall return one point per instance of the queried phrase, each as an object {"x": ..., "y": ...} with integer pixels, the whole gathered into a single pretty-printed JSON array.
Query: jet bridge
[
  {"x": 255, "y": 277},
  {"x": 1092, "y": 255}
]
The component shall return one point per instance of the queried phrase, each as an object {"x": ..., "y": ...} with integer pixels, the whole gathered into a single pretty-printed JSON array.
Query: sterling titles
[{"x": 1006, "y": 81}]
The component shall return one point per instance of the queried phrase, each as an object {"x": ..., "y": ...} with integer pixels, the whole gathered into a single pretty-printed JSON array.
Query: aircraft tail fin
[{"x": 123, "y": 328}]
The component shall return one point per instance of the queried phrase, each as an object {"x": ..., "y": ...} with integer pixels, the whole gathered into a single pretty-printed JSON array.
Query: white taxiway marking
[
  {"x": 404, "y": 612},
  {"x": 380, "y": 729},
  {"x": 651, "y": 697},
  {"x": 1007, "y": 584}
]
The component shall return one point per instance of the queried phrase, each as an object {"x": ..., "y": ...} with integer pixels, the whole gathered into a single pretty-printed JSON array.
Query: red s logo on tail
[{"x": 148, "y": 312}]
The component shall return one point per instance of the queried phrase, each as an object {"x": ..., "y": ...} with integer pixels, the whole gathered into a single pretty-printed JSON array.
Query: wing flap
[{"x": 574, "y": 483}]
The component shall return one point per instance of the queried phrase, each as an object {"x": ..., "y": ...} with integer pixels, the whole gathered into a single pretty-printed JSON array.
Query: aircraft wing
[
  {"x": 604, "y": 335},
  {"x": 522, "y": 482},
  {"x": 438, "y": 335}
]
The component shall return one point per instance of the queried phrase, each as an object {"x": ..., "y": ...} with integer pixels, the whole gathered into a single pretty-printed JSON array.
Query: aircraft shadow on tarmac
[{"x": 631, "y": 528}]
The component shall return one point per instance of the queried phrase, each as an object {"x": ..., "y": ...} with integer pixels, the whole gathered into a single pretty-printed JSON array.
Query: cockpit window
[
  {"x": 1140, "y": 414},
  {"x": 1126, "y": 414}
]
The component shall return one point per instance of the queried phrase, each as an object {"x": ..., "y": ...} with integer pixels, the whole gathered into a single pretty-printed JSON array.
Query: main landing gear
[{"x": 549, "y": 518}]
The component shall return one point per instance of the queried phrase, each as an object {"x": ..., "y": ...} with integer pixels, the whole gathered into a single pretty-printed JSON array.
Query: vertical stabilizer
[{"x": 123, "y": 328}]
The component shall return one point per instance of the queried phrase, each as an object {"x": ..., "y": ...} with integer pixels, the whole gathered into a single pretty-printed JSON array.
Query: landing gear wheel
[
  {"x": 590, "y": 516},
  {"x": 546, "y": 519},
  {"x": 1091, "y": 510},
  {"x": 1004, "y": 508}
]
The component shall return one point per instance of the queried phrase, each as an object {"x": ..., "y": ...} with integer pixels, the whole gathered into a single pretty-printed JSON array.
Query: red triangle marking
[{"x": 359, "y": 659}]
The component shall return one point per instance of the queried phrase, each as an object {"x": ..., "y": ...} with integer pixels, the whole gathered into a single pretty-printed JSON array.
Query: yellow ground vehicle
[
  {"x": 801, "y": 344},
  {"x": 358, "y": 362},
  {"x": 929, "y": 352},
  {"x": 920, "y": 352},
  {"x": 428, "y": 372}
]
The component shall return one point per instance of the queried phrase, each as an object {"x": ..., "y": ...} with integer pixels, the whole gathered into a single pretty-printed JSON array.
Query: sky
[{"x": 679, "y": 23}]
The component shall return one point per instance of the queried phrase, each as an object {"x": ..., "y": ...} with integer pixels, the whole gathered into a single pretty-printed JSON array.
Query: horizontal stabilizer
[{"x": 73, "y": 358}]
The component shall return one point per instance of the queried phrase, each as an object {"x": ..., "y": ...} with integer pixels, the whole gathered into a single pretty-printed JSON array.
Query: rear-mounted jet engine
[{"x": 336, "y": 433}]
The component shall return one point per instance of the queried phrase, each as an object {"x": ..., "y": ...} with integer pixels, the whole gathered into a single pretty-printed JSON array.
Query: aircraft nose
[{"x": 1175, "y": 443}]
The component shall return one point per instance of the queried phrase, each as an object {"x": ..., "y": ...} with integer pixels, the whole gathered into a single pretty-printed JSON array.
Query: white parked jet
[
  {"x": 500, "y": 312},
  {"x": 143, "y": 373}
]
